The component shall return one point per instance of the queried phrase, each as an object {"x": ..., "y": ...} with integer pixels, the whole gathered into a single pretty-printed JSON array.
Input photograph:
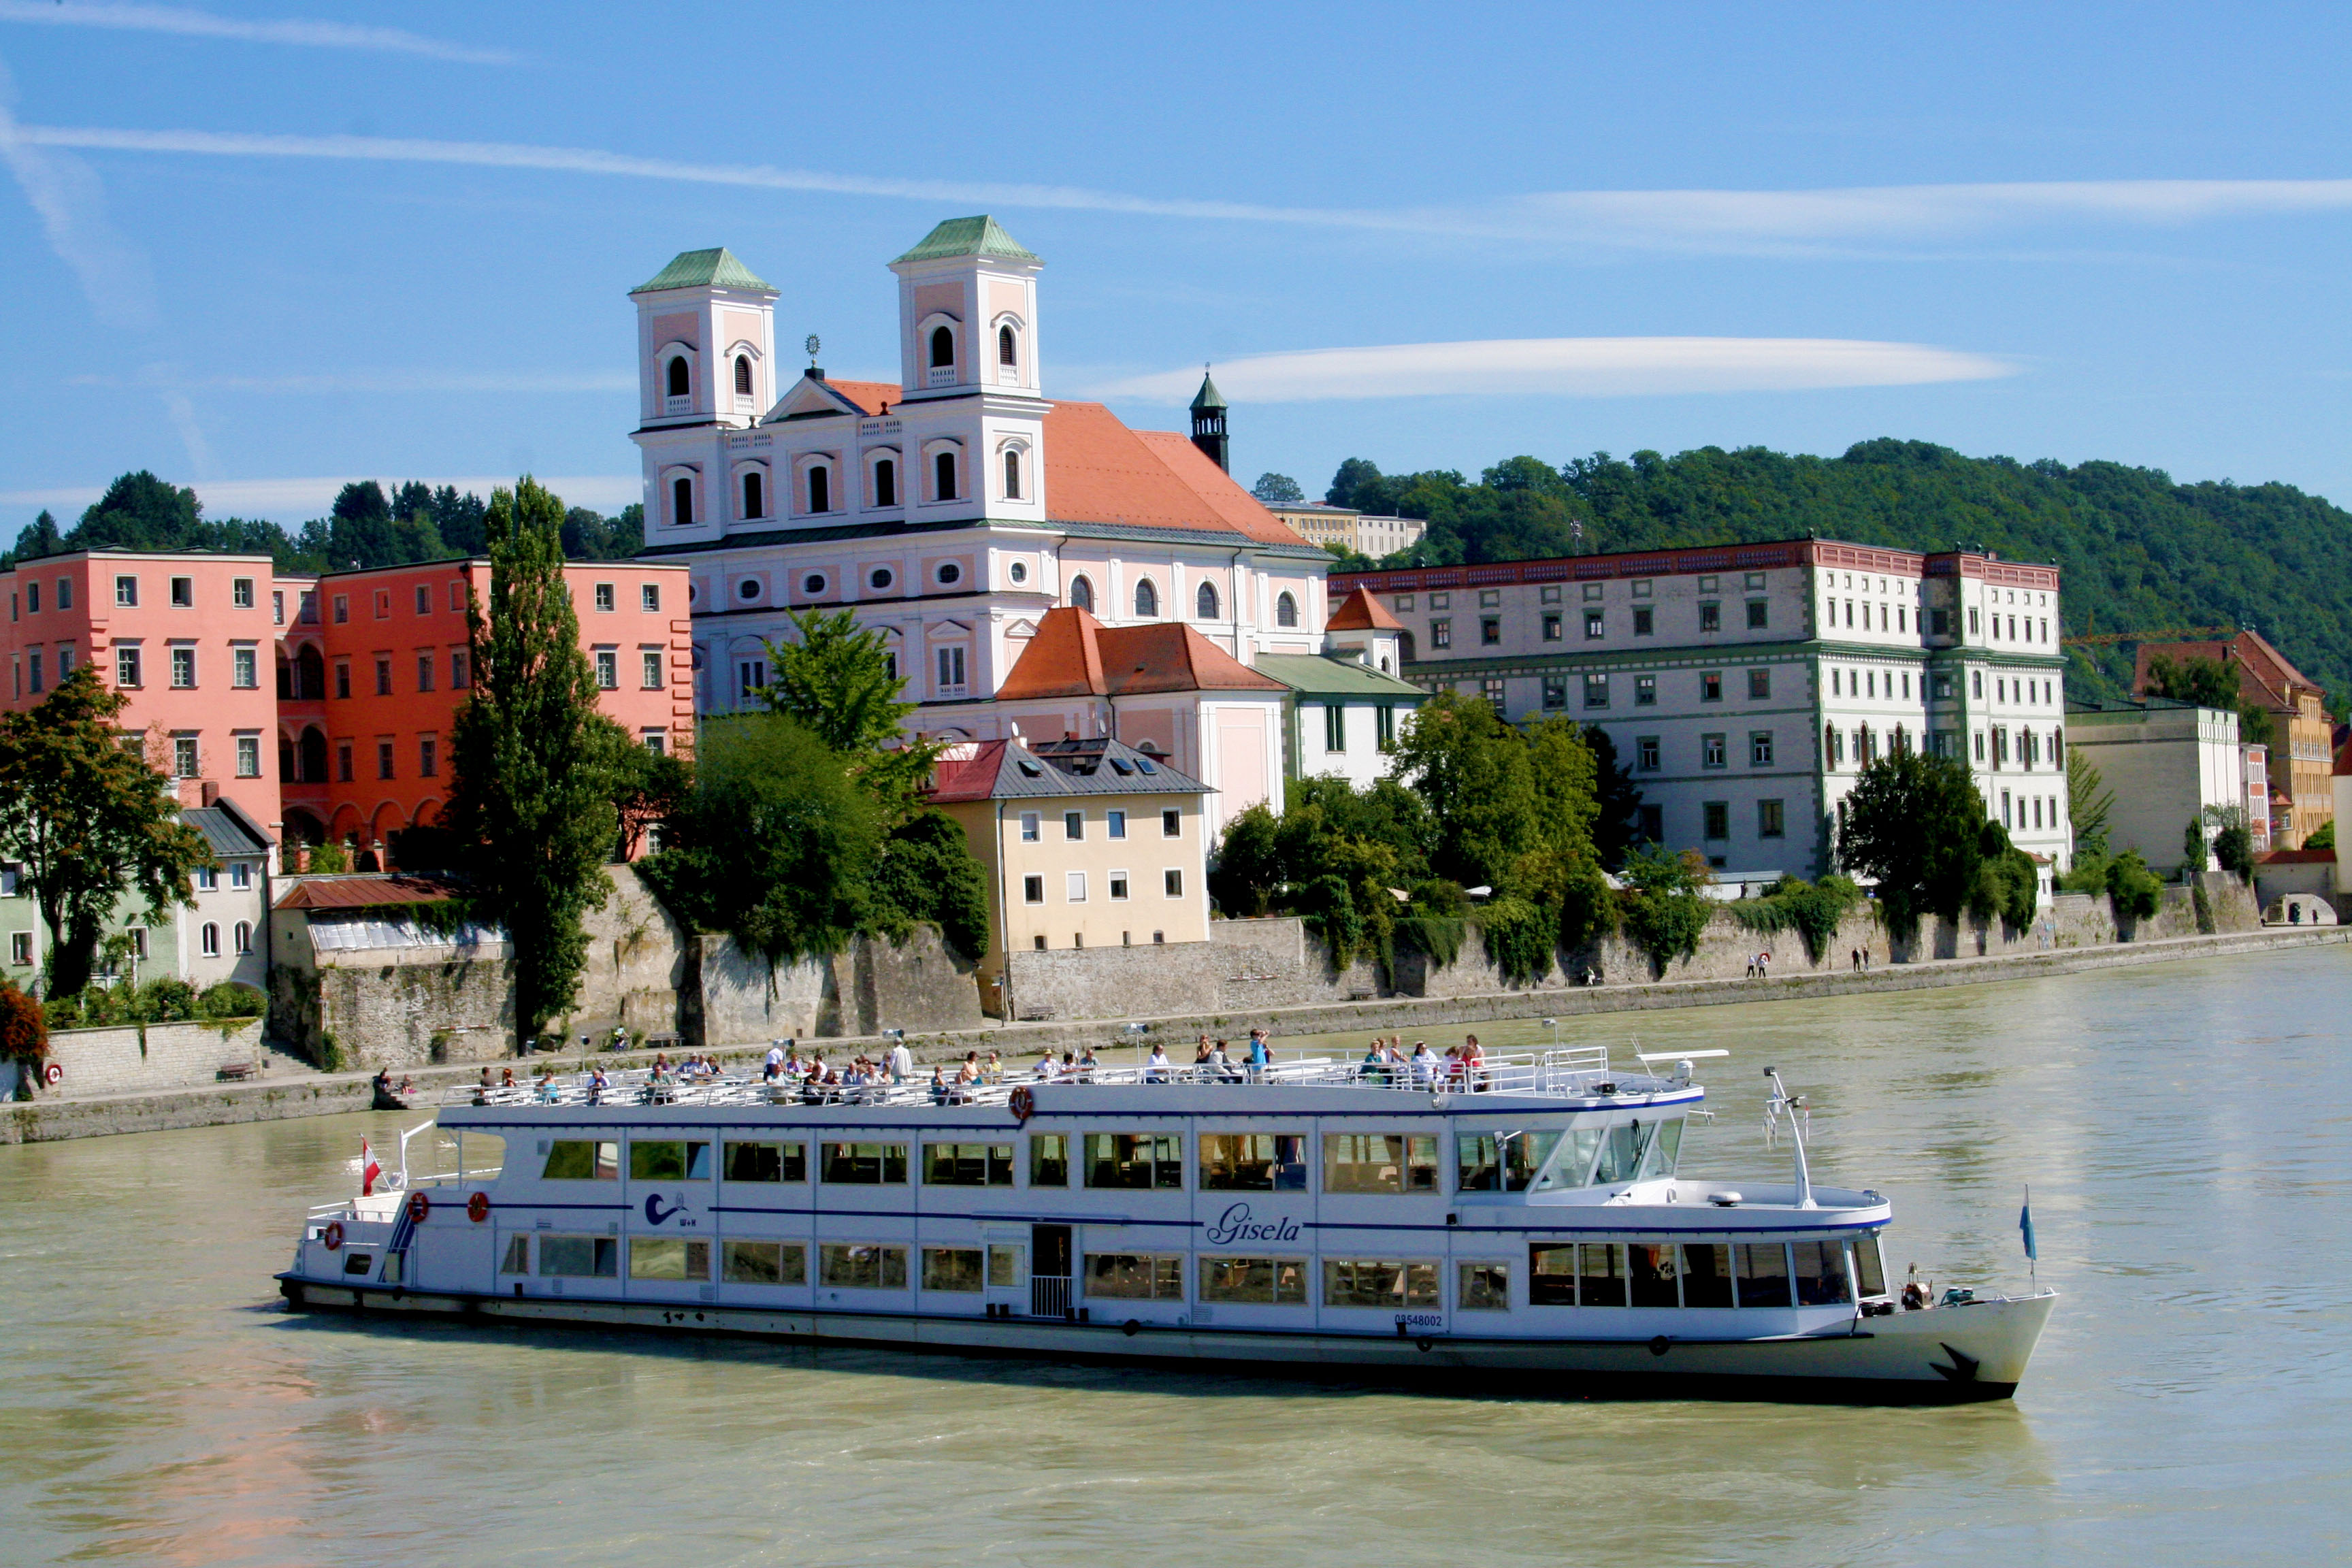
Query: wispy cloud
[
  {"x": 204, "y": 24},
  {"x": 1574, "y": 367},
  {"x": 1692, "y": 220},
  {"x": 303, "y": 497},
  {"x": 65, "y": 194},
  {"x": 373, "y": 382}
]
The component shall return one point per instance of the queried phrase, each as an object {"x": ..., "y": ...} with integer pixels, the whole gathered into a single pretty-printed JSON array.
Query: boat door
[{"x": 1050, "y": 1295}]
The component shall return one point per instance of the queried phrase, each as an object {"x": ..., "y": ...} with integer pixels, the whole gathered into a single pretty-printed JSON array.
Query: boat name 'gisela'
[{"x": 1237, "y": 1223}]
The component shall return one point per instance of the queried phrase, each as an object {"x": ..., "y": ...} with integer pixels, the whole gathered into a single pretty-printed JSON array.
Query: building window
[
  {"x": 1204, "y": 603},
  {"x": 1286, "y": 610},
  {"x": 456, "y": 669},
  {"x": 1652, "y": 825},
  {"x": 1710, "y": 617},
  {"x": 605, "y": 602},
  {"x": 183, "y": 668},
  {"x": 1760, "y": 749},
  {"x": 1074, "y": 887},
  {"x": 1334, "y": 727},
  {"x": 1758, "y": 615},
  {"x": 240, "y": 876},
  {"x": 126, "y": 667},
  {"x": 1645, "y": 620},
  {"x": 820, "y": 488},
  {"x": 1074, "y": 826},
  {"x": 1974, "y": 622},
  {"x": 423, "y": 599},
  {"x": 1596, "y": 689},
  {"x": 1441, "y": 633},
  {"x": 886, "y": 482},
  {"x": 243, "y": 933},
  {"x": 1976, "y": 684},
  {"x": 608, "y": 668},
  {"x": 1030, "y": 824},
  {"x": 383, "y": 678},
  {"x": 248, "y": 756},
  {"x": 1595, "y": 626},
  {"x": 1712, "y": 753},
  {"x": 679, "y": 385},
  {"x": 1004, "y": 355},
  {"x": 210, "y": 940},
  {"x": 1172, "y": 882},
  {"x": 1551, "y": 628},
  {"x": 240, "y": 592},
  {"x": 653, "y": 669},
  {"x": 1440, "y": 601},
  {"x": 1172, "y": 822},
  {"x": 1555, "y": 691},
  {"x": 20, "y": 947},
  {"x": 681, "y": 501},
  {"x": 429, "y": 758},
  {"x": 383, "y": 604},
  {"x": 244, "y": 669},
  {"x": 1645, "y": 753},
  {"x": 744, "y": 380},
  {"x": 342, "y": 762},
  {"x": 183, "y": 592},
  {"x": 950, "y": 669},
  {"x": 1119, "y": 888},
  {"x": 1645, "y": 691},
  {"x": 1490, "y": 630},
  {"x": 943, "y": 473},
  {"x": 943, "y": 348},
  {"x": 384, "y": 768},
  {"x": 425, "y": 672},
  {"x": 1404, "y": 602},
  {"x": 1146, "y": 599},
  {"x": 1012, "y": 476},
  {"x": 1759, "y": 685},
  {"x": 813, "y": 585},
  {"x": 1114, "y": 825},
  {"x": 649, "y": 598},
  {"x": 1710, "y": 685},
  {"x": 184, "y": 757},
  {"x": 1489, "y": 598},
  {"x": 1082, "y": 593},
  {"x": 1717, "y": 818},
  {"x": 343, "y": 609},
  {"x": 1384, "y": 727},
  {"x": 1490, "y": 690}
]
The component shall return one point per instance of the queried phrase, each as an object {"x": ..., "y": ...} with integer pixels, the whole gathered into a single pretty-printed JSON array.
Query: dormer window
[
  {"x": 742, "y": 376},
  {"x": 943, "y": 348},
  {"x": 680, "y": 377}
]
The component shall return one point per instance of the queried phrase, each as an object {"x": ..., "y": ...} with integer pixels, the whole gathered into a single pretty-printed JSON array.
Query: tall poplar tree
[{"x": 532, "y": 794}]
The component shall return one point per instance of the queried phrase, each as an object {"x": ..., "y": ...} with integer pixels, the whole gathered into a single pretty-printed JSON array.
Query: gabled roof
[
  {"x": 813, "y": 395},
  {"x": 361, "y": 890},
  {"x": 2264, "y": 674},
  {"x": 979, "y": 235},
  {"x": 1360, "y": 612},
  {"x": 1074, "y": 654},
  {"x": 227, "y": 831},
  {"x": 1099, "y": 471},
  {"x": 1312, "y": 675},
  {"x": 704, "y": 269},
  {"x": 1008, "y": 770}
]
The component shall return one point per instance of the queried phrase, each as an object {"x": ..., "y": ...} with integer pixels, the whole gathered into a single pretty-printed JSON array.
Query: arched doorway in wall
[
  {"x": 313, "y": 755},
  {"x": 309, "y": 674}
]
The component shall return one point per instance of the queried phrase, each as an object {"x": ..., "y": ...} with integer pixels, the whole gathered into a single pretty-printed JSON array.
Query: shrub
[
  {"x": 1520, "y": 938},
  {"x": 1329, "y": 911},
  {"x": 327, "y": 859},
  {"x": 24, "y": 1027},
  {"x": 2132, "y": 888},
  {"x": 167, "y": 999},
  {"x": 232, "y": 999},
  {"x": 2233, "y": 851},
  {"x": 1662, "y": 912},
  {"x": 1439, "y": 936},
  {"x": 2206, "y": 924},
  {"x": 1811, "y": 909}
]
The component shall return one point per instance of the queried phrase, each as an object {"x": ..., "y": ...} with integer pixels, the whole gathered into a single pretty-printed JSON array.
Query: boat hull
[{"x": 1948, "y": 1355}]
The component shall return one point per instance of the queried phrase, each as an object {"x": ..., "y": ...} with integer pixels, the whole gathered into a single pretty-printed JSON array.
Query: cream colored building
[
  {"x": 1086, "y": 842},
  {"x": 1377, "y": 537}
]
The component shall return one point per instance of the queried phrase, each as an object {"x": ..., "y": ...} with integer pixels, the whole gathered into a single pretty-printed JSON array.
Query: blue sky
[{"x": 263, "y": 250}]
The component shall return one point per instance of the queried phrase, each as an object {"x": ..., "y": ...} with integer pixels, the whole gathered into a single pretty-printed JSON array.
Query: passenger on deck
[
  {"x": 596, "y": 1085},
  {"x": 1044, "y": 1073},
  {"x": 775, "y": 1063},
  {"x": 1260, "y": 1056},
  {"x": 902, "y": 1063},
  {"x": 661, "y": 1066},
  {"x": 940, "y": 1089},
  {"x": 967, "y": 1074},
  {"x": 1068, "y": 1072},
  {"x": 1474, "y": 1063},
  {"x": 1427, "y": 1069},
  {"x": 1086, "y": 1065},
  {"x": 1221, "y": 1061},
  {"x": 1376, "y": 1063},
  {"x": 506, "y": 1079},
  {"x": 1204, "y": 1058},
  {"x": 1156, "y": 1069}
]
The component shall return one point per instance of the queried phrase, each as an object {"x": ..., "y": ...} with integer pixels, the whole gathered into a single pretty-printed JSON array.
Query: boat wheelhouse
[{"x": 1524, "y": 1217}]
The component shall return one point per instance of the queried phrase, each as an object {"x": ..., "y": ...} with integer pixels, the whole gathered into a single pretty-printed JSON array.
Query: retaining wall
[{"x": 129, "y": 1058}]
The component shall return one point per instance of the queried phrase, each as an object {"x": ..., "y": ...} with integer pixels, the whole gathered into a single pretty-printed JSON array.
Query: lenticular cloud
[{"x": 1573, "y": 367}]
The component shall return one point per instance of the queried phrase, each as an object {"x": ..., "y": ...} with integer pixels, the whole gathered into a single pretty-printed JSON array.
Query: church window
[
  {"x": 1082, "y": 594},
  {"x": 1206, "y": 601},
  {"x": 813, "y": 584},
  {"x": 1286, "y": 610},
  {"x": 742, "y": 376},
  {"x": 751, "y": 496},
  {"x": 949, "y": 574},
  {"x": 1012, "y": 476},
  {"x": 886, "y": 483},
  {"x": 943, "y": 472},
  {"x": 679, "y": 386},
  {"x": 880, "y": 579},
  {"x": 1146, "y": 598},
  {"x": 820, "y": 490},
  {"x": 943, "y": 348},
  {"x": 1004, "y": 354},
  {"x": 682, "y": 502}
]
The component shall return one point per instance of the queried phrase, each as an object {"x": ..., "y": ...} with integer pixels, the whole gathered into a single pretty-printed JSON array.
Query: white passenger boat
[{"x": 1523, "y": 1221}]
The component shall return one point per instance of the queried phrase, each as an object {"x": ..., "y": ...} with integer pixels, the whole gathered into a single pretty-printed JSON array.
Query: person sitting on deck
[
  {"x": 661, "y": 1066},
  {"x": 1376, "y": 1063},
  {"x": 1426, "y": 1067},
  {"x": 596, "y": 1085},
  {"x": 1156, "y": 1071},
  {"x": 1044, "y": 1073},
  {"x": 1474, "y": 1063},
  {"x": 939, "y": 1084},
  {"x": 1202, "y": 1056},
  {"x": 994, "y": 1073},
  {"x": 1086, "y": 1065}
]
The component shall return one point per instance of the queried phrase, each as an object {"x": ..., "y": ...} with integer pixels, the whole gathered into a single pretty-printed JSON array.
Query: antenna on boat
[{"x": 1774, "y": 1107}]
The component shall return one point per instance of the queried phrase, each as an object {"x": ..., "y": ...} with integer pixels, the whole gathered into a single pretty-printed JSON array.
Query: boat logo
[
  {"x": 655, "y": 1214},
  {"x": 1238, "y": 1224}
]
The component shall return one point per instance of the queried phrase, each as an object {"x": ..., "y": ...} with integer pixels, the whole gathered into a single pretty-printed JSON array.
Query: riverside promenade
[{"x": 311, "y": 1093}]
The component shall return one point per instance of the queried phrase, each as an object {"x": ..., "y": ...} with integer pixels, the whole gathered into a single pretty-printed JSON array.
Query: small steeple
[{"x": 1209, "y": 421}]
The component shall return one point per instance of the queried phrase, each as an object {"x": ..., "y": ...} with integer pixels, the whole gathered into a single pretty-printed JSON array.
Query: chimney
[{"x": 211, "y": 792}]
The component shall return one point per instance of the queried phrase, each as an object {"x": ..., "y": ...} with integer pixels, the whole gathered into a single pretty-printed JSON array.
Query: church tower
[
  {"x": 705, "y": 366},
  {"x": 1208, "y": 422}
]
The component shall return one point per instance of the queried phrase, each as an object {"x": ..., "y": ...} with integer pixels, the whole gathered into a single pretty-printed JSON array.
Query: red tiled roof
[
  {"x": 2343, "y": 767},
  {"x": 1075, "y": 655},
  {"x": 2297, "y": 857},
  {"x": 1362, "y": 613},
  {"x": 2264, "y": 676},
  {"x": 870, "y": 395},
  {"x": 1099, "y": 470},
  {"x": 363, "y": 890},
  {"x": 968, "y": 778}
]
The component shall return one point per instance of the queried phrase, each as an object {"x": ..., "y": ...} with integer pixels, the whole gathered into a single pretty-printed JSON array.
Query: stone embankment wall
[
  {"x": 129, "y": 1059},
  {"x": 920, "y": 985}
]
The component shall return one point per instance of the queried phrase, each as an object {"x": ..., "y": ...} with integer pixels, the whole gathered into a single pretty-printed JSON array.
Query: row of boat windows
[
  {"x": 1373, "y": 1162},
  {"x": 1558, "y": 1274}
]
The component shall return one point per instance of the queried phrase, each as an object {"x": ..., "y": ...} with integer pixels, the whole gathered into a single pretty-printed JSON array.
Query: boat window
[
  {"x": 1049, "y": 1159},
  {"x": 767, "y": 1162},
  {"x": 951, "y": 1268},
  {"x": 854, "y": 1268},
  {"x": 1502, "y": 1161},
  {"x": 579, "y": 1257},
  {"x": 1650, "y": 1269},
  {"x": 1003, "y": 1266},
  {"x": 1134, "y": 1277},
  {"x": 1135, "y": 1160},
  {"x": 1379, "y": 1162},
  {"x": 358, "y": 1263},
  {"x": 1820, "y": 1273},
  {"x": 669, "y": 1257},
  {"x": 570, "y": 1161},
  {"x": 1763, "y": 1274},
  {"x": 1706, "y": 1276},
  {"x": 1379, "y": 1282},
  {"x": 1869, "y": 1275},
  {"x": 967, "y": 1165},
  {"x": 1253, "y": 1163},
  {"x": 1484, "y": 1287},
  {"x": 1666, "y": 1148},
  {"x": 518, "y": 1256},
  {"x": 1601, "y": 1274},
  {"x": 764, "y": 1263},
  {"x": 1552, "y": 1274},
  {"x": 1621, "y": 1153},
  {"x": 665, "y": 1162},
  {"x": 1264, "y": 1281},
  {"x": 866, "y": 1165}
]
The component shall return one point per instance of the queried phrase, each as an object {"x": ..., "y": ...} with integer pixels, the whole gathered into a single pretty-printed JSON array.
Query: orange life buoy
[
  {"x": 1025, "y": 1104},
  {"x": 477, "y": 1207},
  {"x": 419, "y": 1206},
  {"x": 333, "y": 1236}
]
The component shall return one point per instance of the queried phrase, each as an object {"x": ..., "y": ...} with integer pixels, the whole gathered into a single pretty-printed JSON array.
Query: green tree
[
  {"x": 89, "y": 822},
  {"x": 1664, "y": 911},
  {"x": 2211, "y": 683},
  {"x": 1249, "y": 870},
  {"x": 1277, "y": 490},
  {"x": 2089, "y": 805},
  {"x": 2132, "y": 887},
  {"x": 927, "y": 873},
  {"x": 1916, "y": 823},
  {"x": 37, "y": 538},
  {"x": 1617, "y": 800},
  {"x": 1474, "y": 772},
  {"x": 836, "y": 678},
  {"x": 2194, "y": 852},
  {"x": 2322, "y": 837},
  {"x": 532, "y": 791}
]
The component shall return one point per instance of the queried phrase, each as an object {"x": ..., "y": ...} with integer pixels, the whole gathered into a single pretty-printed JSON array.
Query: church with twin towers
[{"x": 1036, "y": 567}]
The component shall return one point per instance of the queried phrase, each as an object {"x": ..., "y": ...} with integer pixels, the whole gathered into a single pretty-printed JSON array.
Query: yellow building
[
  {"x": 2302, "y": 752},
  {"x": 1086, "y": 842}
]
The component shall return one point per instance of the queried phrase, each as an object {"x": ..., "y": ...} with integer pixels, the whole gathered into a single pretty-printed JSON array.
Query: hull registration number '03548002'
[{"x": 1238, "y": 1224}]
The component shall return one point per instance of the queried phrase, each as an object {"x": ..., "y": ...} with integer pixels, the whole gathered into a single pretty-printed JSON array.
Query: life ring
[
  {"x": 477, "y": 1207},
  {"x": 419, "y": 1207},
  {"x": 1025, "y": 1103},
  {"x": 53, "y": 1074},
  {"x": 333, "y": 1236}
]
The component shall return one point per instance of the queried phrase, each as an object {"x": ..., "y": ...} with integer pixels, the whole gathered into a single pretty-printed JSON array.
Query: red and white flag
[{"x": 369, "y": 1170}]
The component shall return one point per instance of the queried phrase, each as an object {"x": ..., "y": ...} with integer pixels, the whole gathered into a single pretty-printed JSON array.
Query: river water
[{"x": 2185, "y": 1129}]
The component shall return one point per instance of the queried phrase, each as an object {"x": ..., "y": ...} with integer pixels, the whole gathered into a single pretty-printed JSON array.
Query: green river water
[{"x": 2185, "y": 1128}]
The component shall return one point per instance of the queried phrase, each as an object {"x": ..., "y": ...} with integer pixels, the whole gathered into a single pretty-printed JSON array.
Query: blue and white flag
[{"x": 2025, "y": 1226}]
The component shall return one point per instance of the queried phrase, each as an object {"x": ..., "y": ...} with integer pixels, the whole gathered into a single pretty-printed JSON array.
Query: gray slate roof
[
  {"x": 1314, "y": 675},
  {"x": 1003, "y": 770},
  {"x": 226, "y": 832}
]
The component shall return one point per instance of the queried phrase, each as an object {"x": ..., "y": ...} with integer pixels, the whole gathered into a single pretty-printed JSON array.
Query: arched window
[
  {"x": 943, "y": 471},
  {"x": 1146, "y": 598},
  {"x": 820, "y": 488},
  {"x": 1204, "y": 603},
  {"x": 244, "y": 936},
  {"x": 2057, "y": 748},
  {"x": 1012, "y": 476},
  {"x": 211, "y": 939},
  {"x": 753, "y": 498},
  {"x": 744, "y": 375},
  {"x": 1082, "y": 594},
  {"x": 943, "y": 348},
  {"x": 679, "y": 386},
  {"x": 1833, "y": 745},
  {"x": 681, "y": 501},
  {"x": 1004, "y": 354},
  {"x": 1286, "y": 610},
  {"x": 886, "y": 483}
]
